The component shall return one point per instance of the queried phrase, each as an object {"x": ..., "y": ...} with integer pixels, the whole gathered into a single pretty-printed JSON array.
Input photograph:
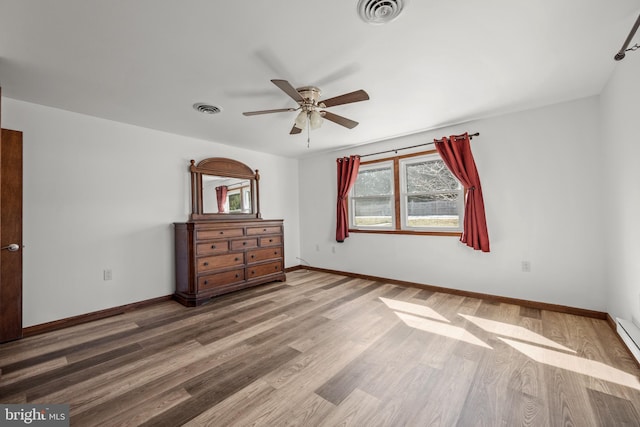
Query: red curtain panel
[
  {"x": 347, "y": 174},
  {"x": 221, "y": 196},
  {"x": 456, "y": 154}
]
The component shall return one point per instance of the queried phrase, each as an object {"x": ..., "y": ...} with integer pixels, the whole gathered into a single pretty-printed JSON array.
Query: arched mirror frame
[{"x": 229, "y": 168}]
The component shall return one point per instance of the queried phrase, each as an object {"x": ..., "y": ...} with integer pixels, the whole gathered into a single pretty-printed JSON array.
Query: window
[
  {"x": 409, "y": 194},
  {"x": 239, "y": 200},
  {"x": 235, "y": 202},
  {"x": 372, "y": 197},
  {"x": 432, "y": 198}
]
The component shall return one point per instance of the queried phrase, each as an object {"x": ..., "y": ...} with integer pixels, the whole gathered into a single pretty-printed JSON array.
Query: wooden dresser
[{"x": 216, "y": 257}]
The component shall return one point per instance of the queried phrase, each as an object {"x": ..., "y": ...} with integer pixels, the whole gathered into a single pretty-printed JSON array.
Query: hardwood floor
[{"x": 327, "y": 350}]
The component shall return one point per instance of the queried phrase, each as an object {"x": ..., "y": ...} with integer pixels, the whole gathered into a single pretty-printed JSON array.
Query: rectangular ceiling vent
[{"x": 630, "y": 334}]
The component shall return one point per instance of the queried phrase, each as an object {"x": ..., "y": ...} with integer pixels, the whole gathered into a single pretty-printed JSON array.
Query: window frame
[
  {"x": 352, "y": 199},
  {"x": 398, "y": 211},
  {"x": 404, "y": 195}
]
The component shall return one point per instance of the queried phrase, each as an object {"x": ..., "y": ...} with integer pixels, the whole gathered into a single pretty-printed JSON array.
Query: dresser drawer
[
  {"x": 264, "y": 254},
  {"x": 218, "y": 233},
  {"x": 264, "y": 269},
  {"x": 225, "y": 278},
  {"x": 212, "y": 247},
  {"x": 219, "y": 261},
  {"x": 252, "y": 231},
  {"x": 271, "y": 241},
  {"x": 237, "y": 245}
]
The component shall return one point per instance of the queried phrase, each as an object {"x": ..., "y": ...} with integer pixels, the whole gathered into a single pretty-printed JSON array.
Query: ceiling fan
[{"x": 311, "y": 109}]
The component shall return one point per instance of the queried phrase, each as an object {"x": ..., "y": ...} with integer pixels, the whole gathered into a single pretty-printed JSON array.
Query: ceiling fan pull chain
[{"x": 308, "y": 134}]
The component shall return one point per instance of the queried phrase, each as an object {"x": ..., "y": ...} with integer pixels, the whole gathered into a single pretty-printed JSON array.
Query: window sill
[{"x": 409, "y": 232}]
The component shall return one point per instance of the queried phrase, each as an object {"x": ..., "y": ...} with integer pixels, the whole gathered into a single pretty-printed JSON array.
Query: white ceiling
[{"x": 146, "y": 62}]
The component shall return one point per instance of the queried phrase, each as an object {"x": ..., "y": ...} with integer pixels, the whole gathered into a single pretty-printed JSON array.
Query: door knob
[{"x": 13, "y": 247}]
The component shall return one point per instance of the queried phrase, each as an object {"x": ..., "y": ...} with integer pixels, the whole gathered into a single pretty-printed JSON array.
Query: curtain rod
[
  {"x": 621, "y": 53},
  {"x": 395, "y": 150}
]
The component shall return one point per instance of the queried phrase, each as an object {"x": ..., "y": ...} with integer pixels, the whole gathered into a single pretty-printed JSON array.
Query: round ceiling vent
[
  {"x": 207, "y": 108},
  {"x": 380, "y": 11}
]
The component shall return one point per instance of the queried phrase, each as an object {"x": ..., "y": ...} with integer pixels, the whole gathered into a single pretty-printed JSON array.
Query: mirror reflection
[{"x": 222, "y": 194}]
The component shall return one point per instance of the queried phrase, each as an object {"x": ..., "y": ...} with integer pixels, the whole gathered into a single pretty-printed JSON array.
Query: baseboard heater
[{"x": 630, "y": 334}]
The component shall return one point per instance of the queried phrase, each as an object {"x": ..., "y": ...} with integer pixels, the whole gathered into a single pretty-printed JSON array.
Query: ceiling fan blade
[
  {"x": 295, "y": 130},
  {"x": 286, "y": 87},
  {"x": 347, "y": 98},
  {"x": 342, "y": 121},
  {"x": 279, "y": 110}
]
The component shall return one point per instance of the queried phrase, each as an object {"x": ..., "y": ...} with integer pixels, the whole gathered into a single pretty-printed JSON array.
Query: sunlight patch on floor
[
  {"x": 536, "y": 347},
  {"x": 440, "y": 328},
  {"x": 418, "y": 310},
  {"x": 576, "y": 364},
  {"x": 513, "y": 331}
]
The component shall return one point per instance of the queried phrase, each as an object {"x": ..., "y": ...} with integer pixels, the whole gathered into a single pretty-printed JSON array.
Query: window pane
[
  {"x": 373, "y": 182},
  {"x": 430, "y": 176},
  {"x": 435, "y": 210},
  {"x": 235, "y": 202},
  {"x": 373, "y": 212}
]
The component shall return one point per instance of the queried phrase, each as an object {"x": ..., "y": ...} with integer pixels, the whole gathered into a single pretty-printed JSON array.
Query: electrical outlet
[
  {"x": 526, "y": 266},
  {"x": 106, "y": 274}
]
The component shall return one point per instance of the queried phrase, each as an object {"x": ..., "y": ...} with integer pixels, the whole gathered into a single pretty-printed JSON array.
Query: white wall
[
  {"x": 621, "y": 154},
  {"x": 100, "y": 194},
  {"x": 541, "y": 174}
]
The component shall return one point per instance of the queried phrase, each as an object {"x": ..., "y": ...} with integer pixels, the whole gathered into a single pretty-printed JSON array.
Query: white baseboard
[{"x": 630, "y": 334}]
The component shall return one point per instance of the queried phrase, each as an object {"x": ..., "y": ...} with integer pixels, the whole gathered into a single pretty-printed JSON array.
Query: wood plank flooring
[{"x": 327, "y": 350}]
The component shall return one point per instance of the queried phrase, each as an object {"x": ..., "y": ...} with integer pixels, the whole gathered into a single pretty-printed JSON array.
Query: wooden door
[{"x": 10, "y": 235}]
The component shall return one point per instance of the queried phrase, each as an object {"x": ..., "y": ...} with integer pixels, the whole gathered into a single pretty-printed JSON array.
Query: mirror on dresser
[
  {"x": 226, "y": 245},
  {"x": 222, "y": 194},
  {"x": 224, "y": 188}
]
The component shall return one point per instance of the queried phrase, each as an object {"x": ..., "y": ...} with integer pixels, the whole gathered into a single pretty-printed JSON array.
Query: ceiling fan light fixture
[
  {"x": 301, "y": 120},
  {"x": 315, "y": 119}
]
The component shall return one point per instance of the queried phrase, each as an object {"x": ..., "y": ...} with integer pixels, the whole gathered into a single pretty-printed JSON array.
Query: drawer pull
[
  {"x": 275, "y": 252},
  {"x": 222, "y": 232},
  {"x": 206, "y": 282},
  {"x": 253, "y": 272},
  {"x": 276, "y": 267},
  {"x": 206, "y": 263},
  {"x": 244, "y": 243},
  {"x": 264, "y": 229},
  {"x": 270, "y": 240},
  {"x": 237, "y": 259},
  {"x": 237, "y": 275},
  {"x": 253, "y": 256},
  {"x": 213, "y": 246}
]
